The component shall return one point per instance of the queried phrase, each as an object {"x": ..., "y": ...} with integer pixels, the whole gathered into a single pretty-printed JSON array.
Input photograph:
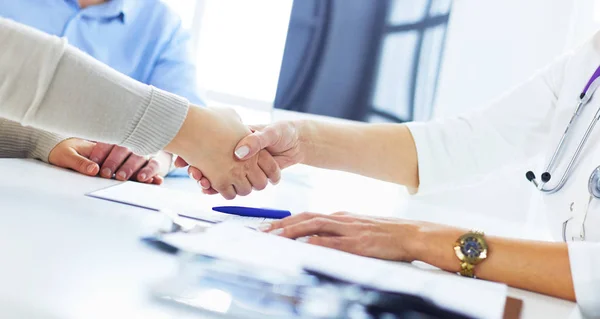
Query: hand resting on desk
[{"x": 105, "y": 160}]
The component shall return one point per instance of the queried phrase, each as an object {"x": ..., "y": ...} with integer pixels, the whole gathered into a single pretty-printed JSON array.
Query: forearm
[
  {"x": 382, "y": 151},
  {"x": 49, "y": 85},
  {"x": 532, "y": 265}
]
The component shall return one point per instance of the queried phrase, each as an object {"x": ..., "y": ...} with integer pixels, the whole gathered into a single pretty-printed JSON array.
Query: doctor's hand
[
  {"x": 207, "y": 141},
  {"x": 383, "y": 238},
  {"x": 281, "y": 139}
]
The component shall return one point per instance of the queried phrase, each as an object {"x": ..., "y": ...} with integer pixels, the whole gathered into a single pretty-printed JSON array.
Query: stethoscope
[{"x": 594, "y": 180}]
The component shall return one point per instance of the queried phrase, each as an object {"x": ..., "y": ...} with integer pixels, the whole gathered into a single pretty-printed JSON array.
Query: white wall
[
  {"x": 491, "y": 47},
  {"x": 494, "y": 45}
]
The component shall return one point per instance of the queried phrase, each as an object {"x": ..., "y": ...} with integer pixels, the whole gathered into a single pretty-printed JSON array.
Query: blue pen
[{"x": 253, "y": 212}]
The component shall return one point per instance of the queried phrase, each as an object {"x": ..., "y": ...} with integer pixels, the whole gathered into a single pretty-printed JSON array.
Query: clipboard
[{"x": 513, "y": 308}]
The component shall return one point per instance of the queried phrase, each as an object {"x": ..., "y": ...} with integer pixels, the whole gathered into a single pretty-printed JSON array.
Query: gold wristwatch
[{"x": 471, "y": 249}]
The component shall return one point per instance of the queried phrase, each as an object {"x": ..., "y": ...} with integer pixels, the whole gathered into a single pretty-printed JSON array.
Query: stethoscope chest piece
[{"x": 594, "y": 183}]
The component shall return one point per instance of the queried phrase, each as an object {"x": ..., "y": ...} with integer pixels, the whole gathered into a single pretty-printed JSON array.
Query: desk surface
[{"x": 65, "y": 255}]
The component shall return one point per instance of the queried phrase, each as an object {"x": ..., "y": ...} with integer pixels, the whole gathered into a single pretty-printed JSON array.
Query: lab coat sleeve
[
  {"x": 585, "y": 262},
  {"x": 512, "y": 128}
]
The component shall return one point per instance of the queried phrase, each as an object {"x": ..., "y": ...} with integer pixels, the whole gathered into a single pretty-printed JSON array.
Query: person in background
[{"x": 144, "y": 40}]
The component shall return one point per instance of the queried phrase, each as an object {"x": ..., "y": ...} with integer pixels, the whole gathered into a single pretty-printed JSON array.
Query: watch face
[{"x": 472, "y": 248}]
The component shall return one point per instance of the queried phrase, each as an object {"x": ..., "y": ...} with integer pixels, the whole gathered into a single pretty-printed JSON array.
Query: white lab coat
[{"x": 526, "y": 122}]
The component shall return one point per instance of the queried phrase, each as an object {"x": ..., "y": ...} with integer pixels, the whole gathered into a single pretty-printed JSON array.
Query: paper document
[
  {"x": 185, "y": 204},
  {"x": 476, "y": 298}
]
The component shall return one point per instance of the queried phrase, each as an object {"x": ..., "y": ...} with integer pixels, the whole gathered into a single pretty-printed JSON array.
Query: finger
[
  {"x": 342, "y": 214},
  {"x": 195, "y": 173},
  {"x": 157, "y": 180},
  {"x": 81, "y": 164},
  {"x": 299, "y": 218},
  {"x": 209, "y": 191},
  {"x": 204, "y": 183},
  {"x": 243, "y": 187},
  {"x": 117, "y": 156},
  {"x": 316, "y": 226},
  {"x": 257, "y": 178},
  {"x": 343, "y": 243},
  {"x": 180, "y": 162},
  {"x": 269, "y": 166},
  {"x": 227, "y": 192},
  {"x": 85, "y": 148},
  {"x": 253, "y": 143},
  {"x": 133, "y": 164},
  {"x": 100, "y": 152},
  {"x": 294, "y": 219},
  {"x": 149, "y": 171}
]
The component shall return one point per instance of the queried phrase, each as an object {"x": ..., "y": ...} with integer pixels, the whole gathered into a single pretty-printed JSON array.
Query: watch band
[{"x": 467, "y": 270}]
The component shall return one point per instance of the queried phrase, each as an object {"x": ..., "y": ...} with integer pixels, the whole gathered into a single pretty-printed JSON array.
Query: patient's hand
[
  {"x": 74, "y": 154},
  {"x": 124, "y": 165},
  {"x": 265, "y": 161},
  {"x": 207, "y": 141},
  {"x": 77, "y": 155}
]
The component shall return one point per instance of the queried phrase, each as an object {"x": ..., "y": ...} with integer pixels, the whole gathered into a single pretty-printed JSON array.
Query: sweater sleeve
[
  {"x": 47, "y": 84},
  {"x": 17, "y": 141},
  {"x": 512, "y": 128}
]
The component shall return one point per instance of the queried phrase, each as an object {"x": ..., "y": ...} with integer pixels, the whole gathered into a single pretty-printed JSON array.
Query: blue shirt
[{"x": 143, "y": 39}]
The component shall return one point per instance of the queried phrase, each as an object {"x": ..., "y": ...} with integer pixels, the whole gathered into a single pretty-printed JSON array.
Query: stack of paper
[{"x": 232, "y": 242}]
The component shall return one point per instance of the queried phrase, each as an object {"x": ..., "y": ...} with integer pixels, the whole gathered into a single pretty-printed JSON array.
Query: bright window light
[{"x": 240, "y": 46}]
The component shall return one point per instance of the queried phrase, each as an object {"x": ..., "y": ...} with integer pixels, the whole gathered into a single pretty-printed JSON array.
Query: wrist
[
  {"x": 306, "y": 139},
  {"x": 434, "y": 245},
  {"x": 184, "y": 139}
]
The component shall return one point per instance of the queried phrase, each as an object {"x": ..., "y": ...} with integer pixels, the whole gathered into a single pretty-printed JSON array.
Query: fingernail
[
  {"x": 90, "y": 168},
  {"x": 143, "y": 176},
  {"x": 95, "y": 160},
  {"x": 264, "y": 227},
  {"x": 121, "y": 175},
  {"x": 303, "y": 239},
  {"x": 276, "y": 232},
  {"x": 273, "y": 183},
  {"x": 242, "y": 151},
  {"x": 191, "y": 176},
  {"x": 202, "y": 186},
  {"x": 106, "y": 172}
]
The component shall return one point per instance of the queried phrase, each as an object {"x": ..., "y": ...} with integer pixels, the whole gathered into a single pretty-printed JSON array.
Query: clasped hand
[{"x": 279, "y": 144}]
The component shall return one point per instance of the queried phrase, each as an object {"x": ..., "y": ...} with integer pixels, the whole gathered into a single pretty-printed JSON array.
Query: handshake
[
  {"x": 225, "y": 156},
  {"x": 230, "y": 158}
]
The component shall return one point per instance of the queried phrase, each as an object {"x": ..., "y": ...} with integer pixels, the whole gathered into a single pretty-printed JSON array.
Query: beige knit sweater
[{"x": 49, "y": 86}]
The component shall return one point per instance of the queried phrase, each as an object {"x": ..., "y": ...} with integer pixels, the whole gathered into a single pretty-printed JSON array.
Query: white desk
[{"x": 65, "y": 255}]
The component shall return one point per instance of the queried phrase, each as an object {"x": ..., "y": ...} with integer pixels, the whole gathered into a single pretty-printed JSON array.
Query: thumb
[
  {"x": 78, "y": 159},
  {"x": 253, "y": 143},
  {"x": 84, "y": 148}
]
